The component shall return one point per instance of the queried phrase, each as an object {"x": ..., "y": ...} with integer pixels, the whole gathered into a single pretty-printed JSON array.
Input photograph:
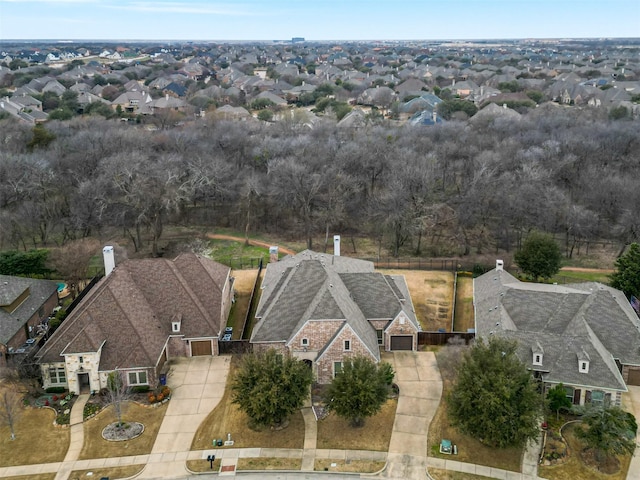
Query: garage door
[
  {"x": 634, "y": 377},
  {"x": 201, "y": 347},
  {"x": 401, "y": 343}
]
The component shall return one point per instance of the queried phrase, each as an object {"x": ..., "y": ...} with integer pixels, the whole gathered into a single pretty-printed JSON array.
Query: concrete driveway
[
  {"x": 418, "y": 377},
  {"x": 197, "y": 385}
]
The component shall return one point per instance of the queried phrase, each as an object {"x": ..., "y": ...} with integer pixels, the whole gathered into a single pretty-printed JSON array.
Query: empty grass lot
[
  {"x": 354, "y": 466},
  {"x": 97, "y": 447},
  {"x": 227, "y": 417}
]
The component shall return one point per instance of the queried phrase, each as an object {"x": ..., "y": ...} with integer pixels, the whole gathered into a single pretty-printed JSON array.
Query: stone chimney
[
  {"x": 499, "y": 265},
  {"x": 109, "y": 260},
  {"x": 336, "y": 245},
  {"x": 273, "y": 254}
]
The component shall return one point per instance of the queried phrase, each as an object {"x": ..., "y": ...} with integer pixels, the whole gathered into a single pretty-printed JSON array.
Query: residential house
[
  {"x": 25, "y": 305},
  {"x": 141, "y": 314},
  {"x": 585, "y": 336},
  {"x": 324, "y": 308},
  {"x": 137, "y": 102}
]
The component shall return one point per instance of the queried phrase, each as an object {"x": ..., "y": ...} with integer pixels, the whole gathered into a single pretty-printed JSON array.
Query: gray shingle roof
[
  {"x": 314, "y": 286},
  {"x": 566, "y": 321}
]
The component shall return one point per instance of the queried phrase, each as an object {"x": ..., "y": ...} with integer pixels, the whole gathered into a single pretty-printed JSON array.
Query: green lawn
[
  {"x": 236, "y": 254},
  {"x": 581, "y": 276}
]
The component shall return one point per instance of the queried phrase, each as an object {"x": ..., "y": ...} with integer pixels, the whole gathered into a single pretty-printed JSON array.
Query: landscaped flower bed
[{"x": 60, "y": 402}]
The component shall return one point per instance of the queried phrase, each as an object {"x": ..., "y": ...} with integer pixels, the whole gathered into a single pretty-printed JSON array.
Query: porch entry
[{"x": 83, "y": 383}]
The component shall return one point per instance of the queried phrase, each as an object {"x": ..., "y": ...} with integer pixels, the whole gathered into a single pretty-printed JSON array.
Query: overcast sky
[{"x": 317, "y": 19}]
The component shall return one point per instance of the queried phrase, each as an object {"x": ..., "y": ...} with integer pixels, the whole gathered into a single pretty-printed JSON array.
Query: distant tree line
[{"x": 451, "y": 189}]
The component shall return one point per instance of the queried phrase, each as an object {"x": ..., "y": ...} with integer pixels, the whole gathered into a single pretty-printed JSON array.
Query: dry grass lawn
[
  {"x": 37, "y": 439},
  {"x": 432, "y": 296},
  {"x": 97, "y": 447},
  {"x": 227, "y": 417},
  {"x": 265, "y": 463},
  {"x": 199, "y": 466},
  {"x": 39, "y": 476},
  {"x": 464, "y": 318},
  {"x": 243, "y": 285},
  {"x": 438, "y": 474},
  {"x": 574, "y": 468},
  {"x": 113, "y": 472},
  {"x": 335, "y": 432},
  {"x": 354, "y": 466}
]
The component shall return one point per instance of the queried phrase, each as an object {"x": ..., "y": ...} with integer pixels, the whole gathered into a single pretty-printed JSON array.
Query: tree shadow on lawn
[{"x": 228, "y": 418}]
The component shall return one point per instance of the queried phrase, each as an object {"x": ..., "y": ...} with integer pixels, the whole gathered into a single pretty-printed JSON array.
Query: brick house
[
  {"x": 323, "y": 308},
  {"x": 141, "y": 314},
  {"x": 584, "y": 335},
  {"x": 25, "y": 303}
]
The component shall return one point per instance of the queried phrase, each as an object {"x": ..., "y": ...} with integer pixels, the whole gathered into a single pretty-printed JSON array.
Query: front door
[{"x": 83, "y": 383}]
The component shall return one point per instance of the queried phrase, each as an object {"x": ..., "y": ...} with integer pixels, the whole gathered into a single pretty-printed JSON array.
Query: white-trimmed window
[
  {"x": 347, "y": 345},
  {"x": 57, "y": 375},
  {"x": 569, "y": 393},
  {"x": 584, "y": 366},
  {"x": 337, "y": 368},
  {"x": 380, "y": 335},
  {"x": 138, "y": 378},
  {"x": 537, "y": 359},
  {"x": 304, "y": 342},
  {"x": 80, "y": 359},
  {"x": 597, "y": 397}
]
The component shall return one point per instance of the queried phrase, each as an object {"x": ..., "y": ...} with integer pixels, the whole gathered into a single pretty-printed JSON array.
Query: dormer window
[
  {"x": 538, "y": 353},
  {"x": 583, "y": 361},
  {"x": 176, "y": 323}
]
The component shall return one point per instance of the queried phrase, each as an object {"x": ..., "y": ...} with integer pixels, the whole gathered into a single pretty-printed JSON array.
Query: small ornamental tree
[
  {"x": 495, "y": 398},
  {"x": 117, "y": 394},
  {"x": 269, "y": 387},
  {"x": 627, "y": 274},
  {"x": 609, "y": 431},
  {"x": 10, "y": 408},
  {"x": 359, "y": 390},
  {"x": 539, "y": 256},
  {"x": 557, "y": 399}
]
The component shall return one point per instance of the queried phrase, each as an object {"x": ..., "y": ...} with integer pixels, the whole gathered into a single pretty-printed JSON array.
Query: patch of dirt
[{"x": 255, "y": 243}]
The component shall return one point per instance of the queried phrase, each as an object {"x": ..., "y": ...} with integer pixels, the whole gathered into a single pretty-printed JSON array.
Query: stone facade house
[
  {"x": 141, "y": 314},
  {"x": 324, "y": 308},
  {"x": 25, "y": 304},
  {"x": 584, "y": 335}
]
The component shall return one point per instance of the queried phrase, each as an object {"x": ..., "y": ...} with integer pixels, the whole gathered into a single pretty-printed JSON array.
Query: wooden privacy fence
[
  {"x": 442, "y": 338},
  {"x": 235, "y": 346}
]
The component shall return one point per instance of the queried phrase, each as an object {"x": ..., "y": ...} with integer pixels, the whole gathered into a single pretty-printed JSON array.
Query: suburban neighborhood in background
[{"x": 194, "y": 232}]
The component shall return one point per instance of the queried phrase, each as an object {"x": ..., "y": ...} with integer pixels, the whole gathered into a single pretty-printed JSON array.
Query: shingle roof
[
  {"x": 131, "y": 311},
  {"x": 10, "y": 289},
  {"x": 567, "y": 321},
  {"x": 314, "y": 286}
]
